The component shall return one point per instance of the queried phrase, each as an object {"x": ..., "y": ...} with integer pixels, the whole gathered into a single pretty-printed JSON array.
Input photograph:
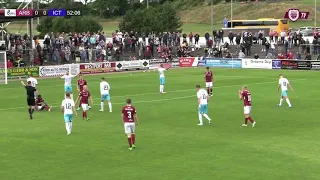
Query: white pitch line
[
  {"x": 61, "y": 83},
  {"x": 143, "y": 94}
]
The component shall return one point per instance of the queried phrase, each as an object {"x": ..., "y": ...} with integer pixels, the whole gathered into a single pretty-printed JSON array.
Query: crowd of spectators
[{"x": 59, "y": 48}]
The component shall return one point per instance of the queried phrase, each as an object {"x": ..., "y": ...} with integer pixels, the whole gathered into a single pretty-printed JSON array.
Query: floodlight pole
[
  {"x": 147, "y": 4},
  {"x": 31, "y": 26},
  {"x": 315, "y": 13},
  {"x": 27, "y": 22},
  {"x": 38, "y": 6},
  {"x": 211, "y": 15},
  {"x": 231, "y": 14}
]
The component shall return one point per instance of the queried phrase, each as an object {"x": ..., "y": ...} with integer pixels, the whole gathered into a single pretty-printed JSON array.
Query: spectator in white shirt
[
  {"x": 241, "y": 54},
  {"x": 283, "y": 36},
  {"x": 273, "y": 48}
]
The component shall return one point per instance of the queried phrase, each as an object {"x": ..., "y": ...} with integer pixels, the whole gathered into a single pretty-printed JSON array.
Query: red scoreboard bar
[{"x": 22, "y": 13}]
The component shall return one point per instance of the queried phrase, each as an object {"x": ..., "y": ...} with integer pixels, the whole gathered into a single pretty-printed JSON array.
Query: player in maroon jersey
[
  {"x": 41, "y": 104},
  {"x": 81, "y": 82},
  {"x": 245, "y": 95},
  {"x": 208, "y": 76},
  {"x": 129, "y": 116},
  {"x": 84, "y": 96}
]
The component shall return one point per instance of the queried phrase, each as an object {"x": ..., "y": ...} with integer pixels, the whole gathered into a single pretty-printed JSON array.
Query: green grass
[{"x": 284, "y": 144}]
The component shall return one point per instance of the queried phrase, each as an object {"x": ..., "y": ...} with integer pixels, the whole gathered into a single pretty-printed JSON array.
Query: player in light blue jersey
[
  {"x": 162, "y": 77},
  {"x": 68, "y": 83},
  {"x": 284, "y": 83},
  {"x": 68, "y": 109},
  {"x": 105, "y": 94},
  {"x": 203, "y": 99}
]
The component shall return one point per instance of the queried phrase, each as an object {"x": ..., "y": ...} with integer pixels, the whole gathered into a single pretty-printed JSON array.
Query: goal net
[{"x": 3, "y": 68}]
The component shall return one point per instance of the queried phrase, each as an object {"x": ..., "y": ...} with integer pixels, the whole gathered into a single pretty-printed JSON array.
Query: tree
[
  {"x": 73, "y": 24},
  {"x": 158, "y": 19},
  {"x": 110, "y": 8}
]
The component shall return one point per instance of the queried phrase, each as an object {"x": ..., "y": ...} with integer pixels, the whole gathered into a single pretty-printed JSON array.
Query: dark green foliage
[
  {"x": 74, "y": 24},
  {"x": 158, "y": 19},
  {"x": 109, "y": 8},
  {"x": 46, "y": 25}
]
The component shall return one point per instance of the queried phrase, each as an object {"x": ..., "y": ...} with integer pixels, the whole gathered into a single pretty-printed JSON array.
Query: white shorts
[
  {"x": 246, "y": 109},
  {"x": 129, "y": 128},
  {"x": 84, "y": 107},
  {"x": 209, "y": 84},
  {"x": 39, "y": 107}
]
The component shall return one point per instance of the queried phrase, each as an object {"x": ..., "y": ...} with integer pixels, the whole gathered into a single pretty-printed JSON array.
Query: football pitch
[{"x": 283, "y": 145}]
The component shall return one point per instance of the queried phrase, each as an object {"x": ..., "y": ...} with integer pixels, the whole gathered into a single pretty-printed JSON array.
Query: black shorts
[{"x": 31, "y": 102}]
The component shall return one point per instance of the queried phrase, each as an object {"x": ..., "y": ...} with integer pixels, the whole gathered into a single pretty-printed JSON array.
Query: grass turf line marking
[
  {"x": 114, "y": 76},
  {"x": 143, "y": 94}
]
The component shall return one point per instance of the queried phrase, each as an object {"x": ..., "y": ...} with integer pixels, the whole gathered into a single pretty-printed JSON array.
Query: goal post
[{"x": 3, "y": 68}]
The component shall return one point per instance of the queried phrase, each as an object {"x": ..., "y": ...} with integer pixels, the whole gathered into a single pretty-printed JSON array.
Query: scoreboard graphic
[{"x": 31, "y": 13}]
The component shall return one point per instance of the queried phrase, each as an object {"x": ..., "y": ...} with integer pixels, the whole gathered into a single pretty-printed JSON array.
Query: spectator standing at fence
[
  {"x": 231, "y": 37},
  {"x": 300, "y": 37},
  {"x": 267, "y": 47},
  {"x": 92, "y": 40},
  {"x": 196, "y": 38},
  {"x": 98, "y": 51},
  {"x": 282, "y": 36},
  {"x": 83, "y": 53},
  {"x": 241, "y": 54},
  {"x": 273, "y": 48},
  {"x": 56, "y": 56},
  {"x": 276, "y": 37},
  {"x": 191, "y": 38},
  {"x": 221, "y": 34},
  {"x": 295, "y": 39},
  {"x": 67, "y": 52},
  {"x": 90, "y": 53},
  {"x": 298, "y": 56},
  {"x": 109, "y": 54},
  {"x": 117, "y": 54},
  {"x": 308, "y": 57}
]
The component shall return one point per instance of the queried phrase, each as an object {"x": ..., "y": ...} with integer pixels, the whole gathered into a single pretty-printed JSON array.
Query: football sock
[
  {"x": 67, "y": 127},
  {"x": 84, "y": 114},
  {"x": 161, "y": 88},
  {"x": 210, "y": 90},
  {"x": 288, "y": 101},
  {"x": 29, "y": 110},
  {"x": 110, "y": 106},
  {"x": 207, "y": 117},
  {"x": 281, "y": 100},
  {"x": 200, "y": 118},
  {"x": 133, "y": 138},
  {"x": 130, "y": 142},
  {"x": 32, "y": 110},
  {"x": 245, "y": 120},
  {"x": 70, "y": 126},
  {"x": 102, "y": 105},
  {"x": 250, "y": 119}
]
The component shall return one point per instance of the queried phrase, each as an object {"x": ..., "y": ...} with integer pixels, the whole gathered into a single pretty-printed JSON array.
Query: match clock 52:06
[{"x": 74, "y": 13}]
